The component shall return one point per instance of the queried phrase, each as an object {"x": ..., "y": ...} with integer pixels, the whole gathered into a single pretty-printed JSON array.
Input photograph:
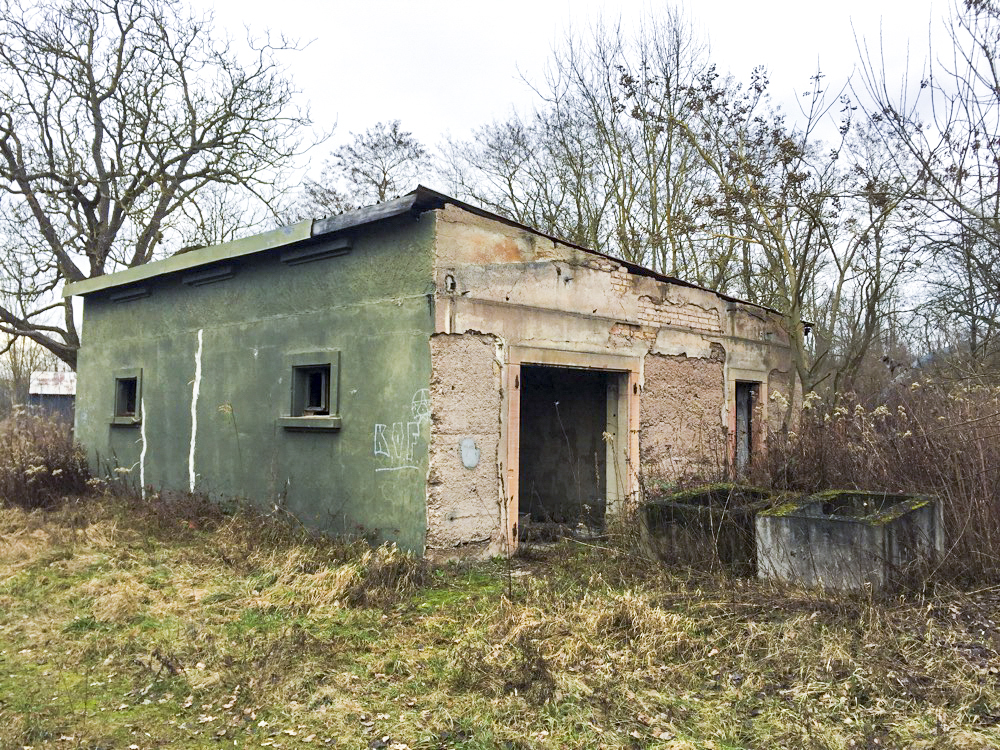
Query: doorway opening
[
  {"x": 567, "y": 469},
  {"x": 746, "y": 400}
]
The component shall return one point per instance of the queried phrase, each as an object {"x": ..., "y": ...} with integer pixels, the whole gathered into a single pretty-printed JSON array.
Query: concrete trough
[
  {"x": 846, "y": 539},
  {"x": 709, "y": 526}
]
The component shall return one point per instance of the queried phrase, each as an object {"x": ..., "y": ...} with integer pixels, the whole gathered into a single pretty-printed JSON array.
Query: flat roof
[{"x": 419, "y": 200}]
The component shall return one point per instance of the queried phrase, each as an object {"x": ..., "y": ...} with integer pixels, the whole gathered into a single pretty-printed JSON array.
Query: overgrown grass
[
  {"x": 940, "y": 439},
  {"x": 178, "y": 625}
]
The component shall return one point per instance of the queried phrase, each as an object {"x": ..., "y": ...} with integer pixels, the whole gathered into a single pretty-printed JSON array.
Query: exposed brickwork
[
  {"x": 620, "y": 280},
  {"x": 601, "y": 264},
  {"x": 654, "y": 314},
  {"x": 630, "y": 331},
  {"x": 686, "y": 316}
]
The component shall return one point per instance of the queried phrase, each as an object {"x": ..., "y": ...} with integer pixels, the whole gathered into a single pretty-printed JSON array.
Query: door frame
[
  {"x": 622, "y": 460},
  {"x": 758, "y": 419}
]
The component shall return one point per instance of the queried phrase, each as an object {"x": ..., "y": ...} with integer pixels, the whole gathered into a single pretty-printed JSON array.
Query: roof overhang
[{"x": 193, "y": 259}]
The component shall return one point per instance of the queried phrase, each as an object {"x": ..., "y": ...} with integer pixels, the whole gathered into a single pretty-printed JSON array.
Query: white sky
[{"x": 448, "y": 66}]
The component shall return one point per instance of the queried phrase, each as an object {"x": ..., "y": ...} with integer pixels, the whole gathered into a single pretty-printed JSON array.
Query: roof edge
[
  {"x": 425, "y": 197},
  {"x": 193, "y": 258},
  {"x": 420, "y": 199},
  {"x": 417, "y": 201}
]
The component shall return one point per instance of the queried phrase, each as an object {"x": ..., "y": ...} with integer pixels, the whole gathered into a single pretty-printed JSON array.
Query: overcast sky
[{"x": 452, "y": 65}]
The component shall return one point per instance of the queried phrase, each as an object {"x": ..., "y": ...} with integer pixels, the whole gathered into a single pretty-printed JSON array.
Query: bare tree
[
  {"x": 964, "y": 294},
  {"x": 376, "y": 165},
  {"x": 875, "y": 236},
  {"x": 821, "y": 237},
  {"x": 945, "y": 123},
  {"x": 640, "y": 149},
  {"x": 19, "y": 357},
  {"x": 541, "y": 171},
  {"x": 115, "y": 116},
  {"x": 601, "y": 161}
]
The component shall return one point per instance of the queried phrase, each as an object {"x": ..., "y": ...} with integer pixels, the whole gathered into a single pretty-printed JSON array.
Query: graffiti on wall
[{"x": 396, "y": 442}]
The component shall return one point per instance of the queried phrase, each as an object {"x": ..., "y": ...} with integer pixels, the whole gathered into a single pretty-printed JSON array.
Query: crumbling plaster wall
[
  {"x": 681, "y": 432},
  {"x": 463, "y": 495},
  {"x": 537, "y": 292},
  {"x": 763, "y": 356},
  {"x": 690, "y": 345}
]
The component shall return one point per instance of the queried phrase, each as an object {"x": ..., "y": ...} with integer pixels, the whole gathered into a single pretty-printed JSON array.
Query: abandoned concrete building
[{"x": 421, "y": 371}]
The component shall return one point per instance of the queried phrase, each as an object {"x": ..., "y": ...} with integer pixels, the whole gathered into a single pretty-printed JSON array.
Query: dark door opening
[
  {"x": 563, "y": 456},
  {"x": 746, "y": 398}
]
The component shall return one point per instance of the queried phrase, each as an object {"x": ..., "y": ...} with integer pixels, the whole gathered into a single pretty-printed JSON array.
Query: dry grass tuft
[
  {"x": 117, "y": 599},
  {"x": 39, "y": 464},
  {"x": 506, "y": 658},
  {"x": 385, "y": 576}
]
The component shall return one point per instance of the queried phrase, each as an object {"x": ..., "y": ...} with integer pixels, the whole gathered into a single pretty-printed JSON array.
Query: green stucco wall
[{"x": 373, "y": 304}]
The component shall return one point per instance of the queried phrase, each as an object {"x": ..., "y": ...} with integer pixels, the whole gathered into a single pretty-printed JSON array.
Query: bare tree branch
[{"x": 115, "y": 116}]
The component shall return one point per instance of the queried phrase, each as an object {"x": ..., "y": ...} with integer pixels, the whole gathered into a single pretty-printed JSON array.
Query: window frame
[
  {"x": 303, "y": 415},
  {"x": 119, "y": 416},
  {"x": 756, "y": 385},
  {"x": 306, "y": 403}
]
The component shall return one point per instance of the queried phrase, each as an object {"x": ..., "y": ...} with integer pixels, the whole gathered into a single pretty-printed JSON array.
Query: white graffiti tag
[
  {"x": 395, "y": 443},
  {"x": 420, "y": 405}
]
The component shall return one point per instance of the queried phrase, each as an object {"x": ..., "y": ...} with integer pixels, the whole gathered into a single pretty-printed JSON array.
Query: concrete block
[
  {"x": 711, "y": 525},
  {"x": 848, "y": 539}
]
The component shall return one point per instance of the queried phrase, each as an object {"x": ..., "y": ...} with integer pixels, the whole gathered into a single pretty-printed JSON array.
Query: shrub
[{"x": 39, "y": 463}]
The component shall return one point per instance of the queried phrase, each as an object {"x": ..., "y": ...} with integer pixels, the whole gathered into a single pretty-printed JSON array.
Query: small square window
[
  {"x": 127, "y": 397},
  {"x": 315, "y": 391}
]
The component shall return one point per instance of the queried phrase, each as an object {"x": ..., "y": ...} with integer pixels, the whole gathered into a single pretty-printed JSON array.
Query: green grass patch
[
  {"x": 84, "y": 625},
  {"x": 267, "y": 619}
]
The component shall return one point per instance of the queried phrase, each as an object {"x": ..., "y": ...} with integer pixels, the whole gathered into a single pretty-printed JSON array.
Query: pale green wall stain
[{"x": 374, "y": 305}]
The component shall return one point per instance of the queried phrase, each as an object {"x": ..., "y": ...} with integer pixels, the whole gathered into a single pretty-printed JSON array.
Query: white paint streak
[
  {"x": 142, "y": 453},
  {"x": 194, "y": 410}
]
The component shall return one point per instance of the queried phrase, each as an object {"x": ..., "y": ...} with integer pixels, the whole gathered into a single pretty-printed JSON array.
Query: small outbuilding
[
  {"x": 53, "y": 394},
  {"x": 421, "y": 371}
]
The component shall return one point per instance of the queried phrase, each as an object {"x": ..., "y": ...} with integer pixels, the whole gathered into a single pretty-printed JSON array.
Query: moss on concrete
[{"x": 886, "y": 506}]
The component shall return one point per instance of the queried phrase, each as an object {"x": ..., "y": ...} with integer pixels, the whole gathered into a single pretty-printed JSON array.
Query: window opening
[
  {"x": 312, "y": 386},
  {"x": 126, "y": 391},
  {"x": 315, "y": 391},
  {"x": 317, "y": 400}
]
